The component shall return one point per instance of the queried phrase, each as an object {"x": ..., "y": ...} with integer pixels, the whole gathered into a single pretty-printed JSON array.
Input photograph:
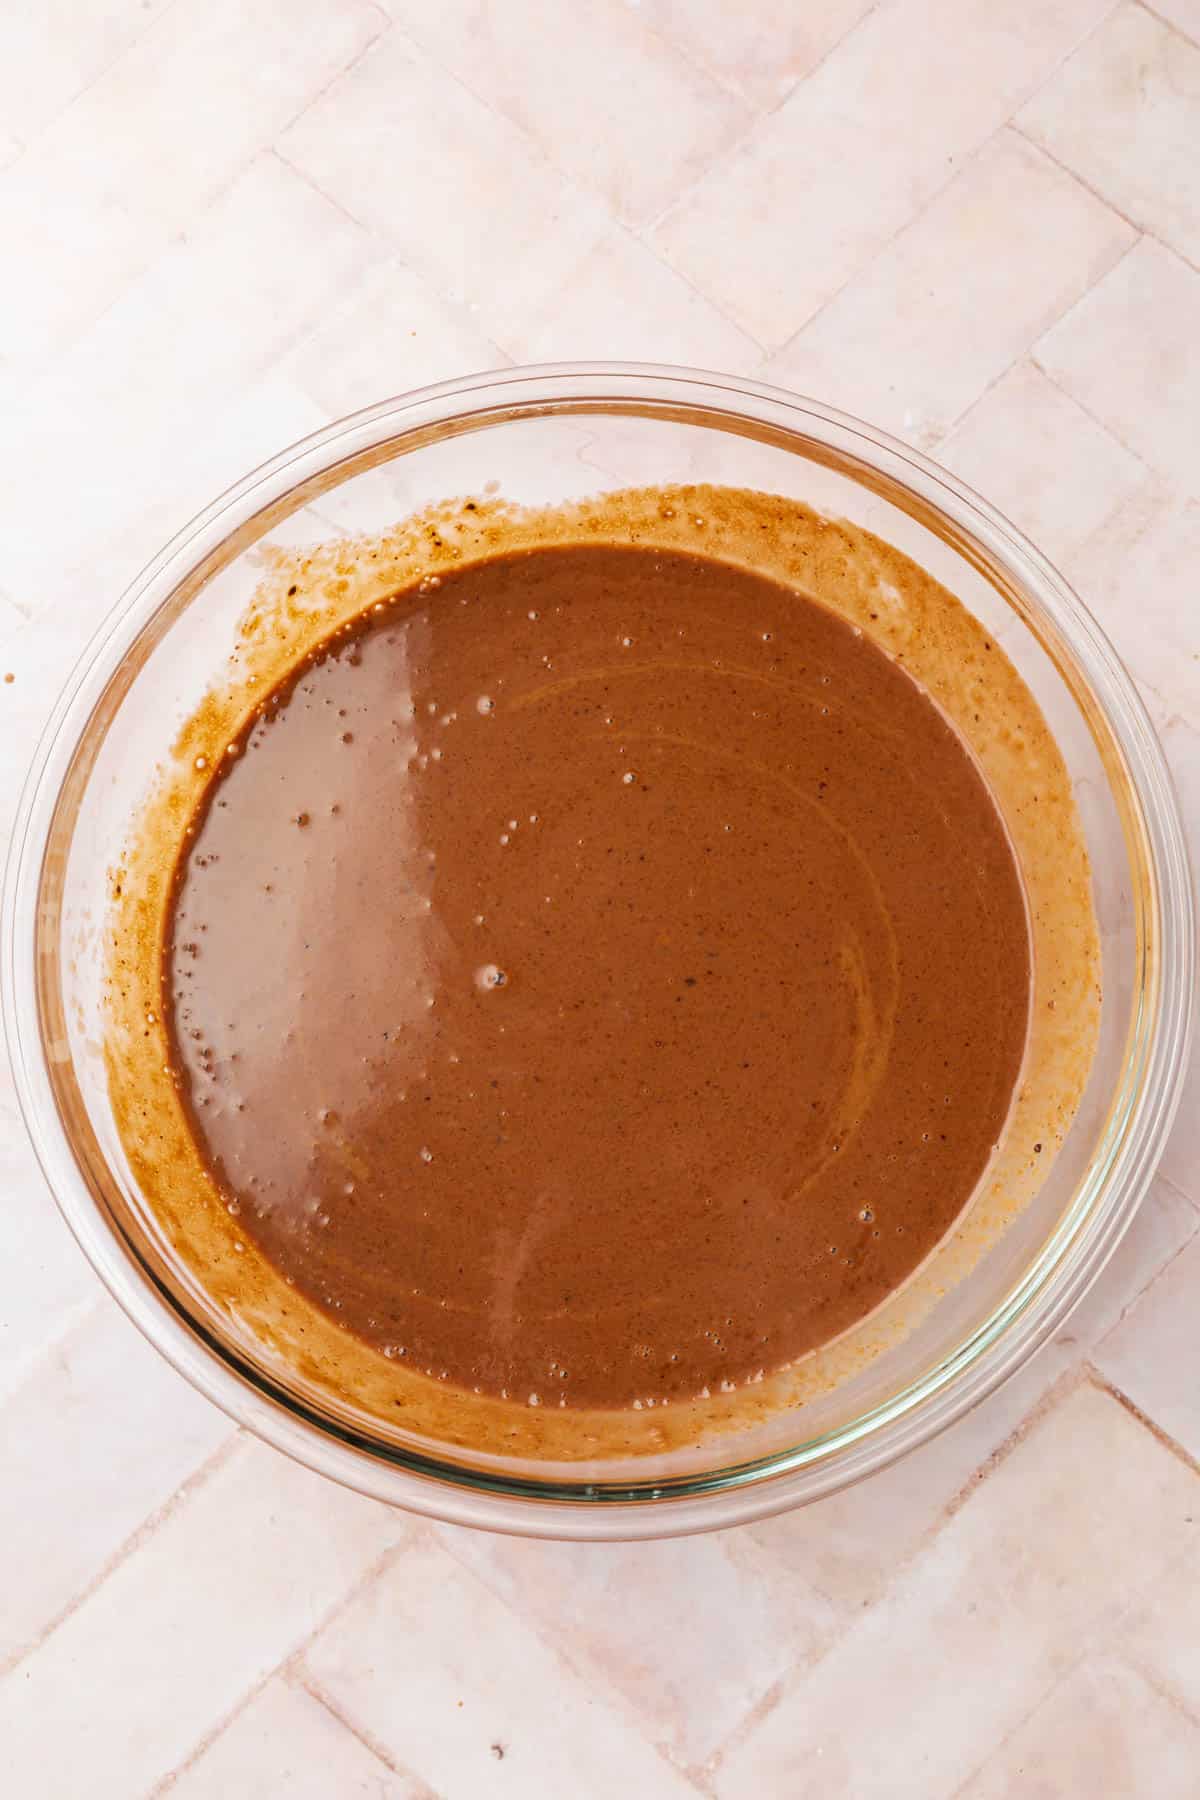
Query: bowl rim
[{"x": 1073, "y": 1255}]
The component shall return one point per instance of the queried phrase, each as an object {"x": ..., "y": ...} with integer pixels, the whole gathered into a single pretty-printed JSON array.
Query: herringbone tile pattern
[{"x": 975, "y": 222}]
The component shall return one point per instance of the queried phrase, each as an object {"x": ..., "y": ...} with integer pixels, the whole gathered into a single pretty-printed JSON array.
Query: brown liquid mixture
[{"x": 599, "y": 976}]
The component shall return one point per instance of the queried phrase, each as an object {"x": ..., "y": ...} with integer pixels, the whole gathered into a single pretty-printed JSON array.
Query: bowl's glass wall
[{"x": 536, "y": 440}]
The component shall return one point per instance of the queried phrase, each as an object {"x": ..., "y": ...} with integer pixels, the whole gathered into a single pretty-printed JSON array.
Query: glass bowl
[{"x": 546, "y": 436}]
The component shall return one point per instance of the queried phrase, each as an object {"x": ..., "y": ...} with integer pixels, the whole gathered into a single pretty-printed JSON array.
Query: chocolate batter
[{"x": 598, "y": 976}]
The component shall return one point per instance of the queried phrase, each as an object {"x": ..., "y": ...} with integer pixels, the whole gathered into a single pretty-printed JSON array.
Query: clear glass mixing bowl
[{"x": 546, "y": 435}]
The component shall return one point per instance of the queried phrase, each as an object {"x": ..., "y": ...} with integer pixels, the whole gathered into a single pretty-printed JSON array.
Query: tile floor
[{"x": 976, "y": 222}]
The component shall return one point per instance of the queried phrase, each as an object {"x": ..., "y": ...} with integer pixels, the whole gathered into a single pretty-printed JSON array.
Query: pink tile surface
[
  {"x": 1103, "y": 1730},
  {"x": 714, "y": 1618},
  {"x": 918, "y": 335},
  {"x": 1148, "y": 1355},
  {"x": 612, "y": 103},
  {"x": 286, "y": 1741},
  {"x": 1134, "y": 573},
  {"x": 49, "y": 55},
  {"x": 157, "y": 1654},
  {"x": 1160, "y": 1634},
  {"x": 761, "y": 51},
  {"x": 1124, "y": 113},
  {"x": 458, "y": 190},
  {"x": 113, "y": 179},
  {"x": 225, "y": 222},
  {"x": 465, "y": 1691},
  {"x": 1127, "y": 352},
  {"x": 1183, "y": 14},
  {"x": 294, "y": 253},
  {"x": 848, "y": 159},
  {"x": 103, "y": 1403},
  {"x": 1067, "y": 479},
  {"x": 970, "y": 1636}
]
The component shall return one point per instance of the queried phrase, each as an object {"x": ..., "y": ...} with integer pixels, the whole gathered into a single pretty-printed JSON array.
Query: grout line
[
  {"x": 697, "y": 1774},
  {"x": 1103, "y": 271},
  {"x": 1190, "y": 262},
  {"x": 1058, "y": 324},
  {"x": 1109, "y": 1646},
  {"x": 583, "y": 186},
  {"x": 1157, "y": 1685},
  {"x": 310, "y": 100},
  {"x": 1144, "y": 1595},
  {"x": 707, "y": 300},
  {"x": 187, "y": 1488},
  {"x": 338, "y": 205},
  {"x": 309, "y": 1685},
  {"x": 1059, "y": 1390},
  {"x": 1027, "y": 359},
  {"x": 1139, "y": 1294},
  {"x": 282, "y": 1669},
  {"x": 276, "y": 154},
  {"x": 1167, "y": 1179},
  {"x": 533, "y": 149},
  {"x": 958, "y": 173},
  {"x": 369, "y": 1576},
  {"x": 1105, "y": 1384},
  {"x": 608, "y": 221},
  {"x": 1116, "y": 1653},
  {"x": 881, "y": 250},
  {"x": 554, "y": 1633},
  {"x": 945, "y": 437},
  {"x": 740, "y": 143},
  {"x": 557, "y": 1638},
  {"x": 1052, "y": 74},
  {"x": 1088, "y": 186},
  {"x": 391, "y": 251},
  {"x": 1086, "y": 1375},
  {"x": 47, "y": 124},
  {"x": 960, "y": 165},
  {"x": 1071, "y": 1381},
  {"x": 1065, "y": 1674},
  {"x": 278, "y": 354},
  {"x": 1144, "y": 231},
  {"x": 1171, "y": 24},
  {"x": 683, "y": 49},
  {"x": 1023, "y": 360},
  {"x": 762, "y": 1709},
  {"x": 165, "y": 1783},
  {"x": 29, "y": 370}
]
